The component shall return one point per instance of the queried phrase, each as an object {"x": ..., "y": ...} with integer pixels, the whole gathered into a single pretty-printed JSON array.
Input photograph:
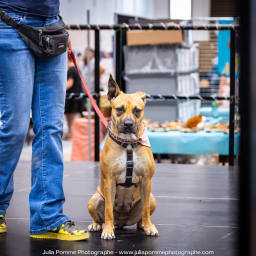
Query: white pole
[{"x": 89, "y": 84}]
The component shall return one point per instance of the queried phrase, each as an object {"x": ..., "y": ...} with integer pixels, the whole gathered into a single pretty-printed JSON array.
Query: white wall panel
[
  {"x": 200, "y": 8},
  {"x": 102, "y": 12}
]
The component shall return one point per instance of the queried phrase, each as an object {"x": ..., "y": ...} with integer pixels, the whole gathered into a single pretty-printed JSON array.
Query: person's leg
[
  {"x": 70, "y": 119},
  {"x": 47, "y": 197},
  {"x": 16, "y": 85}
]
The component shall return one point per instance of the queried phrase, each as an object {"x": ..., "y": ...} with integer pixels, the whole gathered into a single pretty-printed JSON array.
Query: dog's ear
[
  {"x": 113, "y": 89},
  {"x": 142, "y": 95}
]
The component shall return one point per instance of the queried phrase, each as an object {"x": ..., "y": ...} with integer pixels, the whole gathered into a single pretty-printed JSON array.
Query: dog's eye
[
  {"x": 120, "y": 110},
  {"x": 136, "y": 112}
]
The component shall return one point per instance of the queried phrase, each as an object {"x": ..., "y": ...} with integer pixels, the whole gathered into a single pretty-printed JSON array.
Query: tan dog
[{"x": 116, "y": 205}]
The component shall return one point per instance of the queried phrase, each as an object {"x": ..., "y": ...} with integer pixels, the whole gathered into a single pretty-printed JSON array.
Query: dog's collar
[{"x": 122, "y": 142}]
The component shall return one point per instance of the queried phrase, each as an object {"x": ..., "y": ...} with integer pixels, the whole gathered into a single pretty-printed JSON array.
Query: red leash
[{"x": 94, "y": 104}]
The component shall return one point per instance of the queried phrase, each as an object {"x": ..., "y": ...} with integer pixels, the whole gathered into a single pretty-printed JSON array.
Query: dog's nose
[{"x": 128, "y": 123}]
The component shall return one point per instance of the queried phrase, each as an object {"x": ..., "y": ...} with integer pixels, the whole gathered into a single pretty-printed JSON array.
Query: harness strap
[
  {"x": 129, "y": 169},
  {"x": 129, "y": 157}
]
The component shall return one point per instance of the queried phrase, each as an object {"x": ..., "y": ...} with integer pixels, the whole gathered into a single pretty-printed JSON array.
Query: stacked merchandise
[
  {"x": 166, "y": 70},
  {"x": 193, "y": 124}
]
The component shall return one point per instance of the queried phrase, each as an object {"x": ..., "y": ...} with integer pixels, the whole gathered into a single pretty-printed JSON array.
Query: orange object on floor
[{"x": 80, "y": 140}]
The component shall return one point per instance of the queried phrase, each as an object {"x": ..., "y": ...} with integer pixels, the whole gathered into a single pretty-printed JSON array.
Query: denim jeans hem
[{"x": 50, "y": 227}]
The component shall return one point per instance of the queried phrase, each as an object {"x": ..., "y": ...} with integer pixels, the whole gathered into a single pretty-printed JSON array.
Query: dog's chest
[{"x": 138, "y": 166}]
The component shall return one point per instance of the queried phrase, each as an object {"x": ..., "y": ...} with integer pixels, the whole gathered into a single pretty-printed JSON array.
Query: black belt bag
[{"x": 44, "y": 42}]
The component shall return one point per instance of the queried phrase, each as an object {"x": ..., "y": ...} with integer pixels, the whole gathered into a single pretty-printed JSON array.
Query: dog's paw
[
  {"x": 151, "y": 230},
  {"x": 108, "y": 233},
  {"x": 94, "y": 227}
]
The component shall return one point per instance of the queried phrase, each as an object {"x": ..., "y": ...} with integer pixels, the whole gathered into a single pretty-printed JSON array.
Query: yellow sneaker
[
  {"x": 3, "y": 227},
  {"x": 66, "y": 232}
]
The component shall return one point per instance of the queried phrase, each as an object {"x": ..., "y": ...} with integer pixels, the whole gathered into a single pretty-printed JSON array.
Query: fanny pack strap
[
  {"x": 11, "y": 22},
  {"x": 27, "y": 31}
]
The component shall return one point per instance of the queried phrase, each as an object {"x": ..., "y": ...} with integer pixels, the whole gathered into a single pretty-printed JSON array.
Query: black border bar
[{"x": 160, "y": 26}]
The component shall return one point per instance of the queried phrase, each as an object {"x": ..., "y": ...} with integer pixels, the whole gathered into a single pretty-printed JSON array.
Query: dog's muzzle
[{"x": 128, "y": 126}]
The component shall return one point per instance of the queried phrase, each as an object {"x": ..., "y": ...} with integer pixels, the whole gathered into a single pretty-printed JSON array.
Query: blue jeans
[{"x": 28, "y": 83}]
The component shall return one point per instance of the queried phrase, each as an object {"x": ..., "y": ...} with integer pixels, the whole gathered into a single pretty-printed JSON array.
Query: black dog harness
[{"x": 129, "y": 153}]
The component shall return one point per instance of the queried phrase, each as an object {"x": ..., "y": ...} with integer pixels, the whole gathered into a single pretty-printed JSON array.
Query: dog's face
[{"x": 127, "y": 109}]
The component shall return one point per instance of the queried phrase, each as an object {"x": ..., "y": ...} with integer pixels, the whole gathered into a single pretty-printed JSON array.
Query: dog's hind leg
[
  {"x": 135, "y": 214},
  {"x": 96, "y": 206}
]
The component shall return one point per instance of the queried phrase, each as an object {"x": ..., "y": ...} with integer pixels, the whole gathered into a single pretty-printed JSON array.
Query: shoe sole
[
  {"x": 50, "y": 235},
  {"x": 3, "y": 230}
]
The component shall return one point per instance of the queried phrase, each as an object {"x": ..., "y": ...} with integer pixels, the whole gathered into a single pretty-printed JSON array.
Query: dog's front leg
[
  {"x": 109, "y": 194},
  {"x": 146, "y": 224}
]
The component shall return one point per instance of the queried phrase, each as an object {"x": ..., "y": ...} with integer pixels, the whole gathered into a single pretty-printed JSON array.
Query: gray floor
[
  {"x": 196, "y": 210},
  {"x": 27, "y": 151},
  {"x": 67, "y": 146}
]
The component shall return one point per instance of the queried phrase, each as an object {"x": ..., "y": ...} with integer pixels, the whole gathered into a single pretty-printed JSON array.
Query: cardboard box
[{"x": 154, "y": 37}]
